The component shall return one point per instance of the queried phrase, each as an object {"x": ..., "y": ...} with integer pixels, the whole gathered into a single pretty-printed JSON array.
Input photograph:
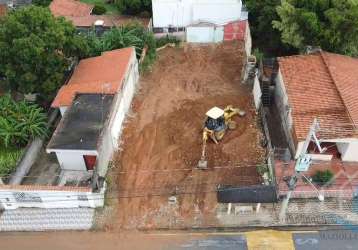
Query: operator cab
[{"x": 215, "y": 119}]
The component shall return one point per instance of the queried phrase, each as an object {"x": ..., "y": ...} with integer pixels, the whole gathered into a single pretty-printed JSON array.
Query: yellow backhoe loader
[{"x": 217, "y": 122}]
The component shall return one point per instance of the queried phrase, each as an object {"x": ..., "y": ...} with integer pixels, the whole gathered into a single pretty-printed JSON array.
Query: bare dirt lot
[{"x": 161, "y": 143}]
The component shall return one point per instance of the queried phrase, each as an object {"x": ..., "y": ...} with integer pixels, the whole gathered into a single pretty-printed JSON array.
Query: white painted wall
[
  {"x": 200, "y": 34},
  {"x": 112, "y": 132},
  {"x": 207, "y": 33},
  {"x": 349, "y": 151},
  {"x": 181, "y": 13},
  {"x": 284, "y": 108},
  {"x": 73, "y": 160},
  {"x": 257, "y": 93},
  {"x": 219, "y": 34},
  {"x": 52, "y": 199},
  {"x": 248, "y": 40},
  {"x": 172, "y": 13},
  {"x": 217, "y": 11},
  {"x": 123, "y": 101}
]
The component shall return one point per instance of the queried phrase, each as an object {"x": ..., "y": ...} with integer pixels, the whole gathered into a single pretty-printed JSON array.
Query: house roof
[
  {"x": 82, "y": 124},
  {"x": 323, "y": 86},
  {"x": 102, "y": 74},
  {"x": 109, "y": 20},
  {"x": 3, "y": 9},
  {"x": 80, "y": 14},
  {"x": 70, "y": 8}
]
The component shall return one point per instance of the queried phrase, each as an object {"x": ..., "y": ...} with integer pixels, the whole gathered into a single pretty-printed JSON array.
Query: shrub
[
  {"x": 99, "y": 9},
  {"x": 322, "y": 177},
  {"x": 130, "y": 35},
  {"x": 134, "y": 7},
  {"x": 160, "y": 42},
  {"x": 8, "y": 159},
  {"x": 20, "y": 122},
  {"x": 43, "y": 3}
]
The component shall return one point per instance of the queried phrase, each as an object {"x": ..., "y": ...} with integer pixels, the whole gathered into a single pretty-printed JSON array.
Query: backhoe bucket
[{"x": 203, "y": 164}]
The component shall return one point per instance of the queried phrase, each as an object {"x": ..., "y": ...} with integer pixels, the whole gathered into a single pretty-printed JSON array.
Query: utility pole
[{"x": 302, "y": 164}]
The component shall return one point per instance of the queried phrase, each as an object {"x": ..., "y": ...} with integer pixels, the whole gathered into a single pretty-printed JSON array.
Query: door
[{"x": 90, "y": 161}]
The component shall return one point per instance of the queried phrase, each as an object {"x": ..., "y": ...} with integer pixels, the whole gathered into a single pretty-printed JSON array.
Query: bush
[
  {"x": 160, "y": 42},
  {"x": 134, "y": 7},
  {"x": 322, "y": 177},
  {"x": 43, "y": 3},
  {"x": 126, "y": 36},
  {"x": 20, "y": 122},
  {"x": 99, "y": 9},
  {"x": 8, "y": 159}
]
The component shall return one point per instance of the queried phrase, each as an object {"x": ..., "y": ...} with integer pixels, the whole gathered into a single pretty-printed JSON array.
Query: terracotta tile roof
[
  {"x": 109, "y": 20},
  {"x": 97, "y": 75},
  {"x": 315, "y": 84},
  {"x": 70, "y": 8},
  {"x": 89, "y": 20},
  {"x": 3, "y": 10},
  {"x": 344, "y": 73},
  {"x": 80, "y": 14}
]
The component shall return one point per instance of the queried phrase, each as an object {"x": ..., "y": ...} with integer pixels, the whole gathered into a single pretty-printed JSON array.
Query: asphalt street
[{"x": 254, "y": 240}]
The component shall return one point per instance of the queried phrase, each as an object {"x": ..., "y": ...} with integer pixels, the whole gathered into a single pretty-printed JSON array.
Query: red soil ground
[{"x": 161, "y": 143}]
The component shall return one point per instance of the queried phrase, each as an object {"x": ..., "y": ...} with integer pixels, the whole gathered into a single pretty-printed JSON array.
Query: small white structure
[
  {"x": 182, "y": 13},
  {"x": 94, "y": 104},
  {"x": 203, "y": 21}
]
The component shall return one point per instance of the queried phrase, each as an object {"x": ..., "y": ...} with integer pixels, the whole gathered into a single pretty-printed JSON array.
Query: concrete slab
[{"x": 44, "y": 171}]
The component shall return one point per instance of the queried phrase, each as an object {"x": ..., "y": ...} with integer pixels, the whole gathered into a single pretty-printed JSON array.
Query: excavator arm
[{"x": 229, "y": 112}]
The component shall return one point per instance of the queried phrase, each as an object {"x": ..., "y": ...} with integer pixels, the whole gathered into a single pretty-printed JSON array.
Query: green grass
[
  {"x": 111, "y": 8},
  {"x": 8, "y": 159}
]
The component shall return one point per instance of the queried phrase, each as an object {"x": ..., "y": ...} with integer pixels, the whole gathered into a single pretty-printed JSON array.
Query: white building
[
  {"x": 182, "y": 13},
  {"x": 94, "y": 104},
  {"x": 200, "y": 21}
]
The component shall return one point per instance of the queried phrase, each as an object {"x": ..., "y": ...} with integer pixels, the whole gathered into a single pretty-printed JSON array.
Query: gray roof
[{"x": 81, "y": 126}]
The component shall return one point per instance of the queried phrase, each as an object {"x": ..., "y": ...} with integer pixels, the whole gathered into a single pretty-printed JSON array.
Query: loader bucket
[{"x": 202, "y": 164}]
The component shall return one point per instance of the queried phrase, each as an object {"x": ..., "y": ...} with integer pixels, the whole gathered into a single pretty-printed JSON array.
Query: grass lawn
[
  {"x": 111, "y": 8},
  {"x": 8, "y": 159}
]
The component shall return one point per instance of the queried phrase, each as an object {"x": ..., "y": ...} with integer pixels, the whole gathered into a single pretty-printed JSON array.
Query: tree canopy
[
  {"x": 261, "y": 15},
  {"x": 36, "y": 49},
  {"x": 134, "y": 7},
  {"x": 330, "y": 24},
  {"x": 131, "y": 35}
]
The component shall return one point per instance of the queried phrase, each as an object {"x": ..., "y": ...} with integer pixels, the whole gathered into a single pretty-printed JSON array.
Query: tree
[
  {"x": 43, "y": 3},
  {"x": 265, "y": 37},
  {"x": 20, "y": 122},
  {"x": 99, "y": 9},
  {"x": 134, "y": 7},
  {"x": 330, "y": 24},
  {"x": 36, "y": 49},
  {"x": 131, "y": 35}
]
